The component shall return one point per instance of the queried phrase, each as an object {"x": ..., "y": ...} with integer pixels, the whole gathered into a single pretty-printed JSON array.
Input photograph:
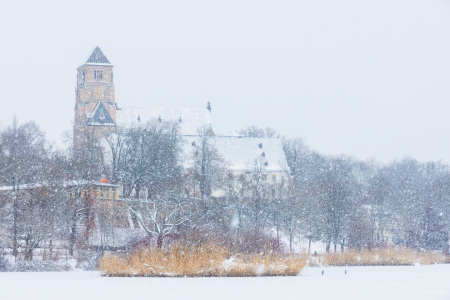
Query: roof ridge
[{"x": 166, "y": 107}]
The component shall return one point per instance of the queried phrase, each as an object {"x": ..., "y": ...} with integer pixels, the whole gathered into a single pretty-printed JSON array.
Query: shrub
[
  {"x": 40, "y": 266},
  {"x": 87, "y": 260},
  {"x": 4, "y": 263},
  {"x": 255, "y": 241},
  {"x": 149, "y": 241},
  {"x": 247, "y": 241}
]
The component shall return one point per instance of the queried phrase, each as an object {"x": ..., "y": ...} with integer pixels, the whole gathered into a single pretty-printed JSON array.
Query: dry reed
[
  {"x": 383, "y": 257},
  {"x": 209, "y": 260}
]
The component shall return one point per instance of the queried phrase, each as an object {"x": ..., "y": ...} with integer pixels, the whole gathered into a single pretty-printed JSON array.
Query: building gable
[{"x": 100, "y": 117}]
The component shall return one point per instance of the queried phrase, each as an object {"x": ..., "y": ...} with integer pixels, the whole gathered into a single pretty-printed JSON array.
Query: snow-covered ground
[{"x": 418, "y": 282}]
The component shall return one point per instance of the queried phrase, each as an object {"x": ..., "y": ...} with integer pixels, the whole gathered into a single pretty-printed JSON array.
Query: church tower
[{"x": 95, "y": 106}]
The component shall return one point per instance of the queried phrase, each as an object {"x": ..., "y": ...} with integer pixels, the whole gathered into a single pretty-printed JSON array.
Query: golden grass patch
[
  {"x": 208, "y": 260},
  {"x": 383, "y": 257}
]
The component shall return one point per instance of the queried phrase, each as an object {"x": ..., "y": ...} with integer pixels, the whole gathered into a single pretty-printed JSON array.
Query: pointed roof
[
  {"x": 97, "y": 57},
  {"x": 100, "y": 117}
]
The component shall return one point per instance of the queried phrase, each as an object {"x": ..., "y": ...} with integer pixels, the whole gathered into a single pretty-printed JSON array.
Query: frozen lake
[{"x": 415, "y": 282}]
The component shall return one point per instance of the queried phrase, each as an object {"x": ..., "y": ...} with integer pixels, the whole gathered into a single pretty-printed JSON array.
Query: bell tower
[{"x": 95, "y": 106}]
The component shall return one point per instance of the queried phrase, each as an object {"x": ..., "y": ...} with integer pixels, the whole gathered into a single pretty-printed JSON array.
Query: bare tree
[
  {"x": 337, "y": 186},
  {"x": 207, "y": 168},
  {"x": 144, "y": 155},
  {"x": 167, "y": 210},
  {"x": 22, "y": 158}
]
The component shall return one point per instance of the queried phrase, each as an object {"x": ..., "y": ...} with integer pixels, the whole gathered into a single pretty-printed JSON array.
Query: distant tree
[
  {"x": 441, "y": 192},
  {"x": 299, "y": 158},
  {"x": 407, "y": 199},
  {"x": 207, "y": 168},
  {"x": 258, "y": 200},
  {"x": 87, "y": 155},
  {"x": 290, "y": 208},
  {"x": 167, "y": 211},
  {"x": 22, "y": 159},
  {"x": 146, "y": 160},
  {"x": 116, "y": 152},
  {"x": 253, "y": 131},
  {"x": 306, "y": 168},
  {"x": 141, "y": 156},
  {"x": 435, "y": 233},
  {"x": 336, "y": 197},
  {"x": 361, "y": 230},
  {"x": 45, "y": 211},
  {"x": 379, "y": 189},
  {"x": 235, "y": 199}
]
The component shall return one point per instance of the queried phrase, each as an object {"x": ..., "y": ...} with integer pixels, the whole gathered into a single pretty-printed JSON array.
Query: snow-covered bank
[{"x": 418, "y": 282}]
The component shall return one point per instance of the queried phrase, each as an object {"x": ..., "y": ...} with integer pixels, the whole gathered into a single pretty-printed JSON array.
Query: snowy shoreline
[{"x": 380, "y": 282}]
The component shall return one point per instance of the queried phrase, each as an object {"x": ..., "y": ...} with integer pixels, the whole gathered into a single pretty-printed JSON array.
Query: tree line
[{"x": 167, "y": 195}]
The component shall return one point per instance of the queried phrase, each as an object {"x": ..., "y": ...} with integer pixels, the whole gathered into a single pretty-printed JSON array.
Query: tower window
[{"x": 98, "y": 74}]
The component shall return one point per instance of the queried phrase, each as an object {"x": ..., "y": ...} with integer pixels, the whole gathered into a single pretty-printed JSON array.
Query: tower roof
[{"x": 97, "y": 57}]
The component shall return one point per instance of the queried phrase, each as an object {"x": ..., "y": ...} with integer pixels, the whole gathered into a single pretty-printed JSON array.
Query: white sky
[{"x": 364, "y": 78}]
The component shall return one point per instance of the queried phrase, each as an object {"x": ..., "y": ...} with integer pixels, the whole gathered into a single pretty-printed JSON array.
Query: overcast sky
[{"x": 369, "y": 79}]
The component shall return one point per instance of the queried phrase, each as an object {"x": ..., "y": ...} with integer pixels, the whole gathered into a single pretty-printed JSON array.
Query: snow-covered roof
[
  {"x": 100, "y": 117},
  {"x": 190, "y": 120},
  {"x": 68, "y": 183},
  {"x": 241, "y": 153},
  {"x": 21, "y": 187},
  {"x": 97, "y": 57}
]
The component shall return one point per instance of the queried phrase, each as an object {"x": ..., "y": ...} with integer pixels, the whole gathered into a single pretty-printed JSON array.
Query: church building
[{"x": 97, "y": 115}]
